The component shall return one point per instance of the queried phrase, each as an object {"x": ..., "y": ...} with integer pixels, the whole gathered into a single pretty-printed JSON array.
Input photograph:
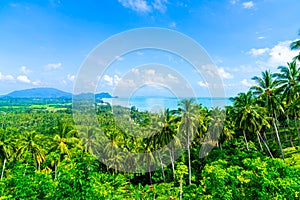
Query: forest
[{"x": 255, "y": 147}]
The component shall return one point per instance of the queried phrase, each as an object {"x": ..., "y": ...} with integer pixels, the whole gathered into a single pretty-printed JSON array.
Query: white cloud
[
  {"x": 233, "y": 2},
  {"x": 170, "y": 76},
  {"x": 280, "y": 54},
  {"x": 224, "y": 74},
  {"x": 71, "y": 77},
  {"x": 136, "y": 5},
  {"x": 36, "y": 83},
  {"x": 172, "y": 25},
  {"x": 202, "y": 84},
  {"x": 150, "y": 72},
  {"x": 116, "y": 79},
  {"x": 248, "y": 4},
  {"x": 257, "y": 52},
  {"x": 23, "y": 79},
  {"x": 108, "y": 79},
  {"x": 4, "y": 77},
  {"x": 53, "y": 66},
  {"x": 247, "y": 83},
  {"x": 119, "y": 58},
  {"x": 135, "y": 71},
  {"x": 261, "y": 37},
  {"x": 25, "y": 70},
  {"x": 275, "y": 56},
  {"x": 111, "y": 81},
  {"x": 160, "y": 5},
  {"x": 143, "y": 6}
]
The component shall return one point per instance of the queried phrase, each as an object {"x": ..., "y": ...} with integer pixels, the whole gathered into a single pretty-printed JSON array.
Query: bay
[{"x": 155, "y": 104}]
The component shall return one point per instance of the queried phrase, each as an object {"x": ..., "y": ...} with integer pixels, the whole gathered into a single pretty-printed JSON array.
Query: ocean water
[{"x": 155, "y": 104}]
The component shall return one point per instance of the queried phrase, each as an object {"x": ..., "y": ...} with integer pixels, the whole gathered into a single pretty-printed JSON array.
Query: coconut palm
[
  {"x": 289, "y": 78},
  {"x": 62, "y": 142},
  {"x": 293, "y": 109},
  {"x": 6, "y": 148},
  {"x": 30, "y": 147},
  {"x": 188, "y": 126},
  {"x": 296, "y": 46},
  {"x": 204, "y": 118},
  {"x": 167, "y": 124},
  {"x": 267, "y": 90},
  {"x": 250, "y": 116}
]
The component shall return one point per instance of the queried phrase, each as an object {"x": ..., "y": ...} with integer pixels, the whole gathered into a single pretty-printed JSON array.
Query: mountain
[
  {"x": 46, "y": 93},
  {"x": 103, "y": 95},
  {"x": 39, "y": 93}
]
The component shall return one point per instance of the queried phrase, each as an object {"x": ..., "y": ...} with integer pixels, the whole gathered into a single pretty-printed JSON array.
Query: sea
[{"x": 157, "y": 104}]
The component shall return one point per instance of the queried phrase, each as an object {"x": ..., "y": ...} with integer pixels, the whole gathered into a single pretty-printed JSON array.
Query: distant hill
[
  {"x": 46, "y": 93},
  {"x": 39, "y": 93},
  {"x": 103, "y": 95}
]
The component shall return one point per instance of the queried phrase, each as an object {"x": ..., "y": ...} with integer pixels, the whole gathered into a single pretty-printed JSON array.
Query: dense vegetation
[{"x": 256, "y": 155}]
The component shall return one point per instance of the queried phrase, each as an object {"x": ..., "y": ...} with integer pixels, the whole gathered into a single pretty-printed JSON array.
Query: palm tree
[
  {"x": 240, "y": 103},
  {"x": 220, "y": 130},
  {"x": 293, "y": 109},
  {"x": 203, "y": 123},
  {"x": 267, "y": 90},
  {"x": 289, "y": 78},
  {"x": 296, "y": 46},
  {"x": 188, "y": 125},
  {"x": 251, "y": 116},
  {"x": 6, "y": 149},
  {"x": 62, "y": 142},
  {"x": 165, "y": 132},
  {"x": 30, "y": 148}
]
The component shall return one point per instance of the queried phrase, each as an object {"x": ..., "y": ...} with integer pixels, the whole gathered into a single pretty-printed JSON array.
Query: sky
[{"x": 44, "y": 43}]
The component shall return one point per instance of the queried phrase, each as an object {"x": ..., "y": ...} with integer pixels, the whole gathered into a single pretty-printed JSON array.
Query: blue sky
[{"x": 44, "y": 42}]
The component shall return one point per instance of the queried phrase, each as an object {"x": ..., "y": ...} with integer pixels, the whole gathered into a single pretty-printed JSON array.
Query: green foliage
[
  {"x": 250, "y": 178},
  {"x": 32, "y": 185},
  {"x": 43, "y": 156}
]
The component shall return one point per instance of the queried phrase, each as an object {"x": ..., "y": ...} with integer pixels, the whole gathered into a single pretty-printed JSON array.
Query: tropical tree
[
  {"x": 6, "y": 148},
  {"x": 169, "y": 121},
  {"x": 296, "y": 46},
  {"x": 204, "y": 119},
  {"x": 64, "y": 139},
  {"x": 267, "y": 90},
  {"x": 30, "y": 148},
  {"x": 289, "y": 78},
  {"x": 189, "y": 125}
]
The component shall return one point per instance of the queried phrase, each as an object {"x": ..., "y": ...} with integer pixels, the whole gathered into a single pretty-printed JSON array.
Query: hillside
[
  {"x": 40, "y": 93},
  {"x": 45, "y": 93}
]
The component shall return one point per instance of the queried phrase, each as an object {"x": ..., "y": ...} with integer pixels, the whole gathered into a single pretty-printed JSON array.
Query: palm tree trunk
[
  {"x": 247, "y": 146},
  {"x": 162, "y": 167},
  {"x": 278, "y": 138},
  {"x": 172, "y": 163},
  {"x": 180, "y": 187},
  {"x": 265, "y": 135},
  {"x": 265, "y": 145},
  {"x": 189, "y": 158},
  {"x": 3, "y": 168},
  {"x": 259, "y": 141},
  {"x": 150, "y": 174},
  {"x": 285, "y": 135},
  {"x": 290, "y": 130},
  {"x": 296, "y": 124}
]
